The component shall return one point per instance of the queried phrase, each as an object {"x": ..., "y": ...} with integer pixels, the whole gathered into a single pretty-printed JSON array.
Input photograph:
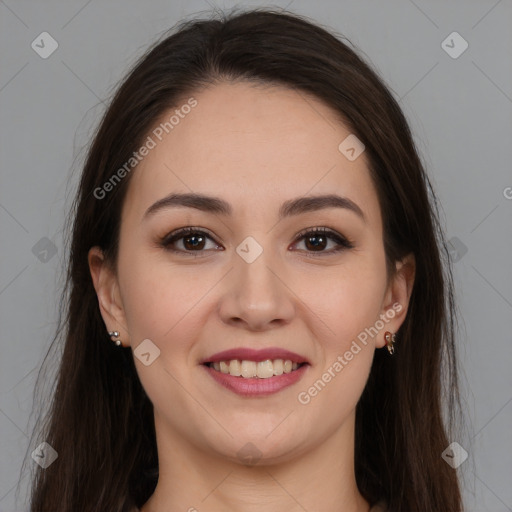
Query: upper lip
[{"x": 250, "y": 354}]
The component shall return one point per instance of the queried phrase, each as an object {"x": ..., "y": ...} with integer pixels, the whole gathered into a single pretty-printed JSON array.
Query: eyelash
[{"x": 343, "y": 243}]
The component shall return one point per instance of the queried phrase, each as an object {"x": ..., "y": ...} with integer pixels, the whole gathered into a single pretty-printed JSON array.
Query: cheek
[
  {"x": 346, "y": 300},
  {"x": 346, "y": 308},
  {"x": 158, "y": 296},
  {"x": 168, "y": 304},
  {"x": 149, "y": 307}
]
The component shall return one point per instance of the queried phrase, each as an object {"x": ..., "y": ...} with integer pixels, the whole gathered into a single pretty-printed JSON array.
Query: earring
[
  {"x": 115, "y": 334},
  {"x": 390, "y": 342}
]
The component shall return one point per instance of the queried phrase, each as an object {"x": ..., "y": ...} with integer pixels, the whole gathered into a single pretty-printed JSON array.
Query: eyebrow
[{"x": 219, "y": 206}]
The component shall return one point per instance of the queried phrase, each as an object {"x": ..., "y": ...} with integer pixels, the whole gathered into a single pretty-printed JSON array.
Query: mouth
[
  {"x": 252, "y": 373},
  {"x": 252, "y": 379},
  {"x": 246, "y": 369}
]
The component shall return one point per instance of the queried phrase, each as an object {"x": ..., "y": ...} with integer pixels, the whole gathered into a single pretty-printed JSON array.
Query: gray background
[{"x": 460, "y": 112}]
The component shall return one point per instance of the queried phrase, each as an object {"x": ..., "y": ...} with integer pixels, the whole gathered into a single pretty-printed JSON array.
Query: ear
[
  {"x": 396, "y": 299},
  {"x": 109, "y": 298}
]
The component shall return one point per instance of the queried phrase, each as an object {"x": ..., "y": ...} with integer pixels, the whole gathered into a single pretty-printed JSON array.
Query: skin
[{"x": 254, "y": 147}]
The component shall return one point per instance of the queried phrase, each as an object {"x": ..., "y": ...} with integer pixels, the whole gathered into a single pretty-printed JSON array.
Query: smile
[
  {"x": 250, "y": 369},
  {"x": 248, "y": 383}
]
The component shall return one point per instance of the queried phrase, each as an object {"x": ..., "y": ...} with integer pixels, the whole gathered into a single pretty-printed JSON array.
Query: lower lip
[{"x": 256, "y": 386}]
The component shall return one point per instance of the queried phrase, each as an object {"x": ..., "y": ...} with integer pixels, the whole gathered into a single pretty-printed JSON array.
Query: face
[{"x": 254, "y": 278}]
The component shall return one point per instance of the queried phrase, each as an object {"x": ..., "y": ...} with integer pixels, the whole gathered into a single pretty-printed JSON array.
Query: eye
[
  {"x": 317, "y": 239},
  {"x": 192, "y": 239}
]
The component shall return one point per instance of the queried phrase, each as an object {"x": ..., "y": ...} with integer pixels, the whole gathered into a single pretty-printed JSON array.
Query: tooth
[
  {"x": 278, "y": 367},
  {"x": 234, "y": 368},
  {"x": 265, "y": 369},
  {"x": 248, "y": 369}
]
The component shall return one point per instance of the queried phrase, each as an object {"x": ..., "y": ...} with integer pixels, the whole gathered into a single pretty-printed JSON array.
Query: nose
[{"x": 257, "y": 296}]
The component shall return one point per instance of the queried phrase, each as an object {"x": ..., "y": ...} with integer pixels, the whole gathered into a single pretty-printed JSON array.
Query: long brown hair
[{"x": 100, "y": 420}]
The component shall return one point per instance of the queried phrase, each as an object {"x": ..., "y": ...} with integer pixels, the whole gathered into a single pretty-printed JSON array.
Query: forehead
[{"x": 251, "y": 145}]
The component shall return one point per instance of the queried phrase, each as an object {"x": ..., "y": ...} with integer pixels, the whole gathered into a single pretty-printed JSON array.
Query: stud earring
[
  {"x": 390, "y": 342},
  {"x": 115, "y": 334}
]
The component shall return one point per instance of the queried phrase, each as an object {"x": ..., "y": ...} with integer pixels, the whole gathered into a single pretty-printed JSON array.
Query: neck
[{"x": 191, "y": 479}]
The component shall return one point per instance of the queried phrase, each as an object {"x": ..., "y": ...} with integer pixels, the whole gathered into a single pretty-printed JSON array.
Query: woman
[{"x": 258, "y": 312}]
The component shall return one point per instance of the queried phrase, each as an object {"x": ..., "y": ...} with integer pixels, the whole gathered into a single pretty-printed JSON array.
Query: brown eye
[
  {"x": 191, "y": 239},
  {"x": 194, "y": 240},
  {"x": 316, "y": 240}
]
